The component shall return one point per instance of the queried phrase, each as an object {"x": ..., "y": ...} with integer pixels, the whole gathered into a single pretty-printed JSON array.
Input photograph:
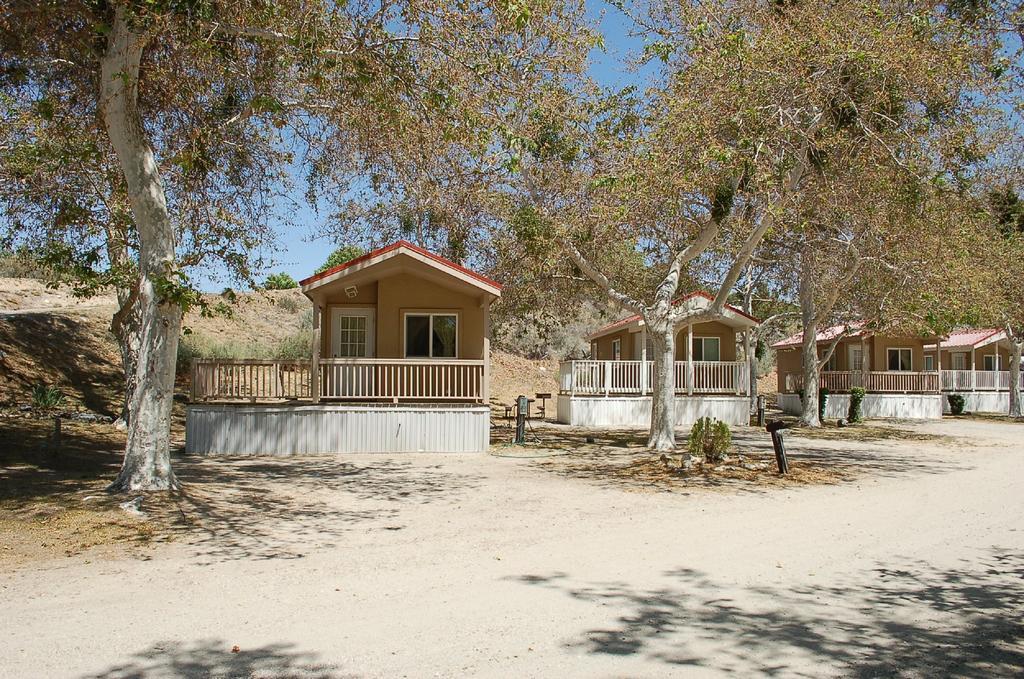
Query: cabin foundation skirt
[
  {"x": 635, "y": 411},
  {"x": 896, "y": 406},
  {"x": 282, "y": 430}
]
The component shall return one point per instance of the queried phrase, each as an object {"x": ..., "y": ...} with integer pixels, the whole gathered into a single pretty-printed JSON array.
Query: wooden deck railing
[
  {"x": 408, "y": 379},
  {"x": 365, "y": 379},
  {"x": 637, "y": 377},
  {"x": 875, "y": 381},
  {"x": 250, "y": 379},
  {"x": 977, "y": 380}
]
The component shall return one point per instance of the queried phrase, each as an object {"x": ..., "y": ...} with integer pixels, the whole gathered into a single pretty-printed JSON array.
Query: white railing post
[
  {"x": 607, "y": 377},
  {"x": 314, "y": 376}
]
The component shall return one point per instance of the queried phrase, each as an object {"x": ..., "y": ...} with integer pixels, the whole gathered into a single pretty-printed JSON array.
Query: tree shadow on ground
[
  {"x": 916, "y": 620},
  {"x": 282, "y": 508},
  {"x": 214, "y": 658},
  {"x": 619, "y": 458}
]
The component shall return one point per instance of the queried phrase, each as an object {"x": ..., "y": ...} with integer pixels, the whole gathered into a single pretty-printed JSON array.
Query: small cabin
[
  {"x": 400, "y": 363},
  {"x": 711, "y": 371}
]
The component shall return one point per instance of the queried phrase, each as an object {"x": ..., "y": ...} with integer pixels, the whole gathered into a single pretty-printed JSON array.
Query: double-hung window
[
  {"x": 431, "y": 335},
  {"x": 707, "y": 349},
  {"x": 992, "y": 362},
  {"x": 899, "y": 359}
]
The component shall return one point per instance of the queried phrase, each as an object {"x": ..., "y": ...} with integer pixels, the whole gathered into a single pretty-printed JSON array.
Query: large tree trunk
[
  {"x": 155, "y": 322},
  {"x": 663, "y": 392},
  {"x": 809, "y": 346},
  {"x": 1015, "y": 353}
]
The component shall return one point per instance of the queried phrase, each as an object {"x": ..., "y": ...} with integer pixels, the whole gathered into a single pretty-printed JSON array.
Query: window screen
[
  {"x": 417, "y": 336},
  {"x": 706, "y": 349},
  {"x": 899, "y": 359},
  {"x": 431, "y": 335}
]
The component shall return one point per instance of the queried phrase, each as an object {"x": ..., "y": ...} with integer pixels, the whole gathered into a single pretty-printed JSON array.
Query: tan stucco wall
[
  {"x": 879, "y": 359},
  {"x": 604, "y": 345},
  {"x": 726, "y": 339},
  {"x": 631, "y": 341},
  {"x": 979, "y": 360},
  {"x": 405, "y": 292}
]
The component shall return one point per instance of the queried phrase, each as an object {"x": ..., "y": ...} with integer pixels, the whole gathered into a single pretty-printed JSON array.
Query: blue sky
[{"x": 300, "y": 254}]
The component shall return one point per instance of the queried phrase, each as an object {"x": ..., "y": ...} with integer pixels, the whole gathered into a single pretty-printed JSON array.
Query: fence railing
[
  {"x": 977, "y": 380},
  {"x": 340, "y": 379},
  {"x": 637, "y": 377},
  {"x": 405, "y": 379},
  {"x": 875, "y": 381},
  {"x": 250, "y": 379}
]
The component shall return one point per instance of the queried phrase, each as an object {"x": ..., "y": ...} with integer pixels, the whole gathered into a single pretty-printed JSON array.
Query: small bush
[
  {"x": 710, "y": 439},
  {"x": 290, "y": 304},
  {"x": 956, "y": 404},
  {"x": 822, "y": 402},
  {"x": 279, "y": 281},
  {"x": 856, "y": 397},
  {"x": 47, "y": 397}
]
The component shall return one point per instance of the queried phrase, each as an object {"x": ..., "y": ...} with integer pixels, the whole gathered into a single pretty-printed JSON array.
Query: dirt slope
[{"x": 49, "y": 337}]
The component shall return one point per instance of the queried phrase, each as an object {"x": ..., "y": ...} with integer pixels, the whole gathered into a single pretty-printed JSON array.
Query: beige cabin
[
  {"x": 400, "y": 363},
  {"x": 613, "y": 387}
]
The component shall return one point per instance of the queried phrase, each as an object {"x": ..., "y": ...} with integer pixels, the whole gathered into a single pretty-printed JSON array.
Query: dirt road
[{"x": 481, "y": 566}]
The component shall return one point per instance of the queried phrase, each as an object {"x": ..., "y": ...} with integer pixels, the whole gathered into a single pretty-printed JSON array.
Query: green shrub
[
  {"x": 279, "y": 281},
  {"x": 822, "y": 402},
  {"x": 956, "y": 404},
  {"x": 710, "y": 439},
  {"x": 47, "y": 397},
  {"x": 856, "y": 397}
]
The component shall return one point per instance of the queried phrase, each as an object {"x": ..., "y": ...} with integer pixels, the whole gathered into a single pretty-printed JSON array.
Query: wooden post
[
  {"x": 644, "y": 386},
  {"x": 747, "y": 375},
  {"x": 689, "y": 359},
  {"x": 938, "y": 360},
  {"x": 974, "y": 373},
  {"x": 314, "y": 375},
  {"x": 485, "y": 391},
  {"x": 863, "y": 363}
]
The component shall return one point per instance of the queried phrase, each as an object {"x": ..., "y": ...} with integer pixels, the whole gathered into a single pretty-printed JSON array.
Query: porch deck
[
  {"x": 355, "y": 380},
  {"x": 906, "y": 382},
  {"x": 636, "y": 378}
]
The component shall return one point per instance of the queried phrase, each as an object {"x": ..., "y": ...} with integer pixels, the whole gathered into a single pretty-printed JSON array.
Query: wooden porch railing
[
  {"x": 977, "y": 380},
  {"x": 366, "y": 379},
  {"x": 637, "y": 377},
  {"x": 875, "y": 381}
]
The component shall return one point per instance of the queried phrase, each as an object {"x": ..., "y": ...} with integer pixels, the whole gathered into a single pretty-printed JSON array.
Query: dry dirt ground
[{"x": 536, "y": 560}]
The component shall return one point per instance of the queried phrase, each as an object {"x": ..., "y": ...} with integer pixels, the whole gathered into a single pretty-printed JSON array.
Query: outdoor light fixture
[{"x": 351, "y": 291}]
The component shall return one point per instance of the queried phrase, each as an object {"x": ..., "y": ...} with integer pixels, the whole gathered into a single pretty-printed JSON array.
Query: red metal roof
[
  {"x": 826, "y": 335},
  {"x": 968, "y": 337},
  {"x": 679, "y": 300},
  {"x": 394, "y": 246}
]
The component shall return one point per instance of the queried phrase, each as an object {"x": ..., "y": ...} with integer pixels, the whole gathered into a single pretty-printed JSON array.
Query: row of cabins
[
  {"x": 401, "y": 362},
  {"x": 903, "y": 377}
]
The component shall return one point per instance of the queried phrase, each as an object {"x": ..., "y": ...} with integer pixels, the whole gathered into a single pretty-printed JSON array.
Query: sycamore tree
[
  {"x": 768, "y": 117},
  {"x": 144, "y": 140}
]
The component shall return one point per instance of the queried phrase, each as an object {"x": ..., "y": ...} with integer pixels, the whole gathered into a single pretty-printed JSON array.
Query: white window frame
[
  {"x": 617, "y": 349},
  {"x": 703, "y": 339},
  {"x": 430, "y": 334},
  {"x": 996, "y": 359},
  {"x": 929, "y": 363},
  {"x": 952, "y": 360},
  {"x": 832, "y": 364},
  {"x": 910, "y": 363}
]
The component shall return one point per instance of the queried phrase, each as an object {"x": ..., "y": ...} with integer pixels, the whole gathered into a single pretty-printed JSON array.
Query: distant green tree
[
  {"x": 279, "y": 281},
  {"x": 343, "y": 254}
]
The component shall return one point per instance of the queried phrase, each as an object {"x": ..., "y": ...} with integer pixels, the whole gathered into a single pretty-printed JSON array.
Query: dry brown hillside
[{"x": 49, "y": 337}]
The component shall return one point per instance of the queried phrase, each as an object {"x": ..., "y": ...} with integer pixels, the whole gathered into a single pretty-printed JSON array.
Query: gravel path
[{"x": 481, "y": 566}]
